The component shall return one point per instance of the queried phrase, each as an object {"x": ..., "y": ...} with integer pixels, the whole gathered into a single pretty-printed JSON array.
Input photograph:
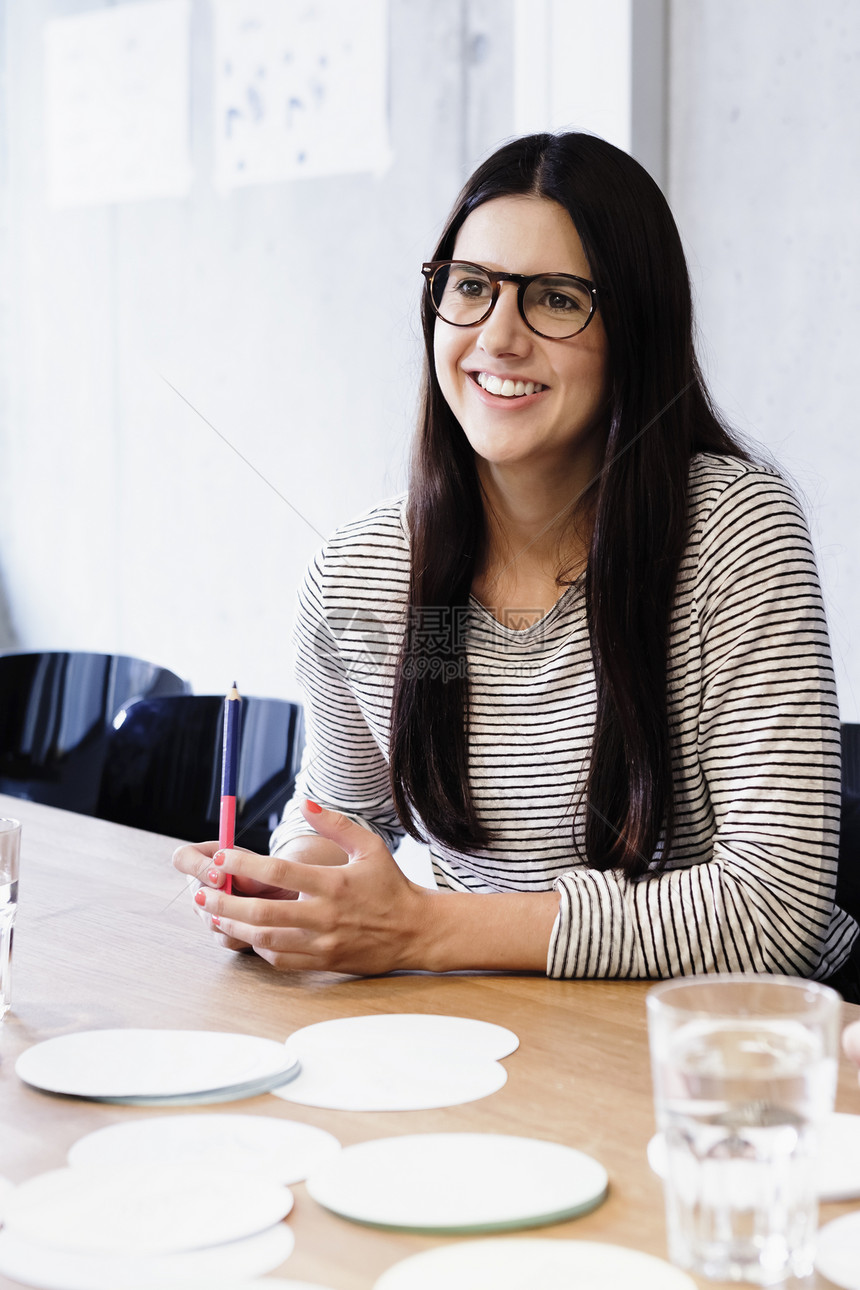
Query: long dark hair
[{"x": 660, "y": 415}]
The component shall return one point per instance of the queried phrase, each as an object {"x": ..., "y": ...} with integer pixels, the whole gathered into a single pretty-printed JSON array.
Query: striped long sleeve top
[{"x": 753, "y": 725}]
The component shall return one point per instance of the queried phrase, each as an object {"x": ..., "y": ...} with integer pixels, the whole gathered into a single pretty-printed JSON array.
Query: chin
[
  {"x": 495, "y": 454},
  {"x": 500, "y": 458}
]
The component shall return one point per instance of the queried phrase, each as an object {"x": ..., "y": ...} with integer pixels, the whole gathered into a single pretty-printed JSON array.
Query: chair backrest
[
  {"x": 851, "y": 759},
  {"x": 56, "y": 715},
  {"x": 848, "y": 874},
  {"x": 163, "y": 771}
]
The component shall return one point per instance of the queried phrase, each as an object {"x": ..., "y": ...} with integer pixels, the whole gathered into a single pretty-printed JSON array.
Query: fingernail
[
  {"x": 200, "y": 897},
  {"x": 216, "y": 921},
  {"x": 218, "y": 857},
  {"x": 214, "y": 877},
  {"x": 312, "y": 807}
]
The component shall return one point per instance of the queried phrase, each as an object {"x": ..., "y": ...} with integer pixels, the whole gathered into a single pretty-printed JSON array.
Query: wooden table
[{"x": 107, "y": 937}]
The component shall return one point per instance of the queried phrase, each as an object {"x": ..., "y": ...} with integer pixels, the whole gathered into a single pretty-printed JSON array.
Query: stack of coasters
[
  {"x": 157, "y": 1067},
  {"x": 397, "y": 1062},
  {"x": 129, "y": 1225},
  {"x": 458, "y": 1183}
]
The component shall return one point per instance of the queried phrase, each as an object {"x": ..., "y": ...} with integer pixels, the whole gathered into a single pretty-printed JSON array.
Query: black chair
[
  {"x": 848, "y": 873},
  {"x": 163, "y": 772},
  {"x": 56, "y": 714}
]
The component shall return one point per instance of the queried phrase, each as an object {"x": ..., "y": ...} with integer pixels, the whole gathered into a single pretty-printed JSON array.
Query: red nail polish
[
  {"x": 216, "y": 921},
  {"x": 218, "y": 857},
  {"x": 313, "y": 808},
  {"x": 200, "y": 897},
  {"x": 213, "y": 875}
]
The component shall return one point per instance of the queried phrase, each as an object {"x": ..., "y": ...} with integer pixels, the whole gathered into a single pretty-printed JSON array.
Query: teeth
[{"x": 508, "y": 389}]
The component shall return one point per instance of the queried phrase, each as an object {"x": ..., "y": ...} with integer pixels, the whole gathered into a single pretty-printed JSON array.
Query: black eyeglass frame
[{"x": 523, "y": 282}]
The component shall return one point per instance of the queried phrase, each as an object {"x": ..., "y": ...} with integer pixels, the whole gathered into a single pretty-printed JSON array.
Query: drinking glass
[
  {"x": 744, "y": 1071},
  {"x": 10, "y": 846}
]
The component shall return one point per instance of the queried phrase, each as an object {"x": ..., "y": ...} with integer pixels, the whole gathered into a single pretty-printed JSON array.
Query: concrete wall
[
  {"x": 128, "y": 524},
  {"x": 764, "y": 178}
]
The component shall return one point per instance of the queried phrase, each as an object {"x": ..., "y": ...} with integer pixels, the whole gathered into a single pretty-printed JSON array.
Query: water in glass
[{"x": 743, "y": 1103}]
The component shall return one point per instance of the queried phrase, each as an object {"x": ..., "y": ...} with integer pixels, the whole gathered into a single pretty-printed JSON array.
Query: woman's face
[{"x": 563, "y": 423}]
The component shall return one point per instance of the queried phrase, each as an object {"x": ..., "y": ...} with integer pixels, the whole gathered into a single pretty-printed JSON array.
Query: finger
[
  {"x": 254, "y": 873},
  {"x": 201, "y": 913},
  {"x": 255, "y": 912},
  {"x": 339, "y": 828},
  {"x": 851, "y": 1042},
  {"x": 251, "y": 887},
  {"x": 229, "y": 942},
  {"x": 215, "y": 877},
  {"x": 243, "y": 885},
  {"x": 212, "y": 877},
  {"x": 271, "y": 943},
  {"x": 195, "y": 860},
  {"x": 293, "y": 961}
]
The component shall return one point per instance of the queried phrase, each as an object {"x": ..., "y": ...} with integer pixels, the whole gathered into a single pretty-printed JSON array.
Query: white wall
[
  {"x": 127, "y": 524},
  {"x": 764, "y": 170}
]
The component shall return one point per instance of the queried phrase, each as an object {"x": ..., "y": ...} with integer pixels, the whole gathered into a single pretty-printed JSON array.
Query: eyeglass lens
[{"x": 555, "y": 305}]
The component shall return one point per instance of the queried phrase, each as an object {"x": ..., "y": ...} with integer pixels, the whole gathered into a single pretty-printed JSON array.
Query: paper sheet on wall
[
  {"x": 116, "y": 104},
  {"x": 300, "y": 89}
]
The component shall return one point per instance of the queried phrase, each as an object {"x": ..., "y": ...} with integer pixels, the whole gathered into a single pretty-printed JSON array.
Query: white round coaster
[
  {"x": 398, "y": 1030},
  {"x": 283, "y": 1151},
  {"x": 226, "y": 1266},
  {"x": 459, "y": 1182},
  {"x": 142, "y": 1209},
  {"x": 400, "y": 1062},
  {"x": 838, "y": 1169},
  {"x": 366, "y": 1078},
  {"x": 550, "y": 1265},
  {"x": 838, "y": 1254},
  {"x": 122, "y": 1064}
]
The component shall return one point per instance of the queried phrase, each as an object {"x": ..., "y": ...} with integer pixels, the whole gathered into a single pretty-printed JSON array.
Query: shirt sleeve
[
  {"x": 343, "y": 767},
  {"x": 768, "y": 754}
]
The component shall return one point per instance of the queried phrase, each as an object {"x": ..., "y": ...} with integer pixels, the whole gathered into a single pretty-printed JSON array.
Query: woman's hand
[
  {"x": 363, "y": 916},
  {"x": 851, "y": 1041},
  {"x": 204, "y": 866}
]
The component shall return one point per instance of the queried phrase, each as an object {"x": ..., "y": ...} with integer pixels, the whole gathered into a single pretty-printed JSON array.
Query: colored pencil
[{"x": 229, "y": 775}]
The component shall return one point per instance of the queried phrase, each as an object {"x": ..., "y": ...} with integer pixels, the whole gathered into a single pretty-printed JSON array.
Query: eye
[
  {"x": 462, "y": 293},
  {"x": 468, "y": 282},
  {"x": 473, "y": 287},
  {"x": 559, "y": 302}
]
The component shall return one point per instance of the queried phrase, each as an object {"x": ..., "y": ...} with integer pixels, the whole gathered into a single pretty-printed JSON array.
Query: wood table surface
[{"x": 107, "y": 937}]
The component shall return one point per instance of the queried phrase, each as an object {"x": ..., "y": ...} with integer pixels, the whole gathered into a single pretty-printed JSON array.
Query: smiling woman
[
  {"x": 561, "y": 426},
  {"x": 585, "y": 658}
]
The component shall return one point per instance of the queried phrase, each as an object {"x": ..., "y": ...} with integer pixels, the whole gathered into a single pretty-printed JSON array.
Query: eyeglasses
[{"x": 553, "y": 305}]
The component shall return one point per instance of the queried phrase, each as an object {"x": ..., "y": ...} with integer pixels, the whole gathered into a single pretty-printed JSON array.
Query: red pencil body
[{"x": 229, "y": 776}]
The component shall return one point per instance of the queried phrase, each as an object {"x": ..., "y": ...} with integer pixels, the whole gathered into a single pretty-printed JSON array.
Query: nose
[{"x": 505, "y": 332}]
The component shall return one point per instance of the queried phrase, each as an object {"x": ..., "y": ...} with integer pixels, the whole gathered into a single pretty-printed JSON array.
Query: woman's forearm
[
  {"x": 363, "y": 917},
  {"x": 508, "y": 931}
]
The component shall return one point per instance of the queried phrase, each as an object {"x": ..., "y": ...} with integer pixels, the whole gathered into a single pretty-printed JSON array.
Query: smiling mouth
[{"x": 507, "y": 388}]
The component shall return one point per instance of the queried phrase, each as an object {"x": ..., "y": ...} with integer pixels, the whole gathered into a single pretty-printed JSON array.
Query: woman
[
  {"x": 586, "y": 659},
  {"x": 851, "y": 1041}
]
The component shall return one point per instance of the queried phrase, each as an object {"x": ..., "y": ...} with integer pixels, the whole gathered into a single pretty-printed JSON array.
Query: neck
[{"x": 537, "y": 516}]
